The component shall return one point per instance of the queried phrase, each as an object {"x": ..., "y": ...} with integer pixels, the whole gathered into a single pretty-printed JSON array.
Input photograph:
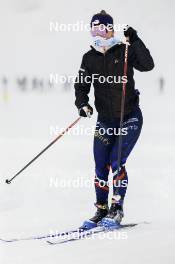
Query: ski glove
[
  {"x": 85, "y": 111},
  {"x": 131, "y": 33}
]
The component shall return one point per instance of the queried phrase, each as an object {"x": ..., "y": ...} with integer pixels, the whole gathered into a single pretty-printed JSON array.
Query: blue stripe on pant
[{"x": 106, "y": 152}]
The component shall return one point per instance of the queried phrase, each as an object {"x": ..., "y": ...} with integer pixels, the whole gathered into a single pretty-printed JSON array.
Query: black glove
[
  {"x": 131, "y": 33},
  {"x": 85, "y": 110}
]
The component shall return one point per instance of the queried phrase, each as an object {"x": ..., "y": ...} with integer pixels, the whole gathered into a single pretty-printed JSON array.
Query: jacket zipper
[
  {"x": 104, "y": 62},
  {"x": 107, "y": 94}
]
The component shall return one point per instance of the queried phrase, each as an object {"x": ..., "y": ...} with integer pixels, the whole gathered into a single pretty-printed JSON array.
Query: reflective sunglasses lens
[{"x": 98, "y": 31}]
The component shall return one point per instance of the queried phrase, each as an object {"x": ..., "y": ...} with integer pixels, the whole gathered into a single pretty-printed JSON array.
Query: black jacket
[{"x": 108, "y": 95}]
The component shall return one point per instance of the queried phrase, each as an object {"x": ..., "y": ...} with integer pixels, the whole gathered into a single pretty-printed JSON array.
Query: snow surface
[{"x": 32, "y": 204}]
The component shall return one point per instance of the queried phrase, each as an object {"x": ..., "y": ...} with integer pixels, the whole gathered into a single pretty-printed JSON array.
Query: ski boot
[
  {"x": 113, "y": 218},
  {"x": 102, "y": 211}
]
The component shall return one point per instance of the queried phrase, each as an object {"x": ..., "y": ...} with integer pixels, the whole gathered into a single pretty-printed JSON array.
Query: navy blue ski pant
[{"x": 106, "y": 139}]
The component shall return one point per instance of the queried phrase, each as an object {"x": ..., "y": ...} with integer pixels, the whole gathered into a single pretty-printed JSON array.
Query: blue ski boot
[
  {"x": 113, "y": 218},
  {"x": 102, "y": 211}
]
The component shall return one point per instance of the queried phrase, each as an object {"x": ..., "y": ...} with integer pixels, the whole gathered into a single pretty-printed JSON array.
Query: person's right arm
[{"x": 82, "y": 89}]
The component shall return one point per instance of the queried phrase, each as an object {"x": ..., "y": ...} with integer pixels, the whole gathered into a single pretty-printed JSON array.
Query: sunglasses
[{"x": 99, "y": 31}]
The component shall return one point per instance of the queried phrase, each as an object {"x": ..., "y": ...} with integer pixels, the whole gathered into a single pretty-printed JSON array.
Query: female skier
[{"x": 103, "y": 66}]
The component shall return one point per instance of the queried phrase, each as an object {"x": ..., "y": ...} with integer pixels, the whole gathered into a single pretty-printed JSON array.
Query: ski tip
[
  {"x": 49, "y": 242},
  {"x": 8, "y": 241}
]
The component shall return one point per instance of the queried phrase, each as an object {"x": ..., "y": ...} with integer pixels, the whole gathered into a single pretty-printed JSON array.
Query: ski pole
[
  {"x": 48, "y": 146},
  {"x": 122, "y": 108}
]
